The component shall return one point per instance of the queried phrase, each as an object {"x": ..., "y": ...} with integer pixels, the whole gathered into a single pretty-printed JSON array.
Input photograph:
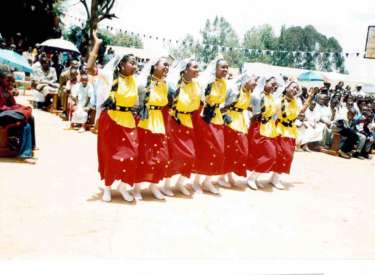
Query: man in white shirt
[
  {"x": 81, "y": 94},
  {"x": 45, "y": 81},
  {"x": 325, "y": 121}
]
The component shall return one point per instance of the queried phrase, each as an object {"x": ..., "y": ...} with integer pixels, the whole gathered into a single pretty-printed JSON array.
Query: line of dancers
[{"x": 173, "y": 120}]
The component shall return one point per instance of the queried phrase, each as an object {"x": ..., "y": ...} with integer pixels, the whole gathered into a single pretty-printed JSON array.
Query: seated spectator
[
  {"x": 309, "y": 133},
  {"x": 21, "y": 113},
  {"x": 344, "y": 126},
  {"x": 81, "y": 94},
  {"x": 365, "y": 133},
  {"x": 326, "y": 118},
  {"x": 45, "y": 82}
]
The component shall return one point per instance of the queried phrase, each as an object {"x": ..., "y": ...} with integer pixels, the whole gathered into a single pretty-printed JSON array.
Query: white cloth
[
  {"x": 40, "y": 75},
  {"x": 83, "y": 95},
  {"x": 325, "y": 117},
  {"x": 310, "y": 133}
]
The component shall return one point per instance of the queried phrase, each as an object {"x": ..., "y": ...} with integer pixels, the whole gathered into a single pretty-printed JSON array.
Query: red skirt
[
  {"x": 117, "y": 151},
  {"x": 153, "y": 159},
  {"x": 262, "y": 151},
  {"x": 181, "y": 148},
  {"x": 285, "y": 152},
  {"x": 236, "y": 151},
  {"x": 209, "y": 146}
]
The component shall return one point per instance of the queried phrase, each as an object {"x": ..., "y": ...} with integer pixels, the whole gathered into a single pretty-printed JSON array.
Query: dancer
[
  {"x": 287, "y": 113},
  {"x": 209, "y": 128},
  {"x": 262, "y": 132},
  {"x": 184, "y": 100},
  {"x": 153, "y": 151},
  {"x": 235, "y": 133},
  {"x": 117, "y": 132}
]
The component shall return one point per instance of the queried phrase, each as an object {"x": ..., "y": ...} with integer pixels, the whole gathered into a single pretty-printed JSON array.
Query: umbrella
[
  {"x": 310, "y": 76},
  {"x": 60, "y": 44},
  {"x": 15, "y": 60}
]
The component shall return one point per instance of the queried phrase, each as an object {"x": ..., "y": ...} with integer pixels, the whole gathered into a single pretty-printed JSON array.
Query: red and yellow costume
[
  {"x": 153, "y": 160},
  {"x": 117, "y": 134},
  {"x": 180, "y": 129},
  {"x": 262, "y": 138},
  {"x": 235, "y": 136},
  {"x": 210, "y": 134},
  {"x": 287, "y": 134}
]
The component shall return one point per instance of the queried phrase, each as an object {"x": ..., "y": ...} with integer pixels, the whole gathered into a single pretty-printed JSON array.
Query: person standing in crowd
[
  {"x": 209, "y": 127},
  {"x": 71, "y": 74},
  {"x": 153, "y": 158},
  {"x": 184, "y": 100},
  {"x": 117, "y": 132}
]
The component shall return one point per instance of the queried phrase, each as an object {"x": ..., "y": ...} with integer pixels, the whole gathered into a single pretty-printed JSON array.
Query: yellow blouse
[
  {"x": 125, "y": 96},
  {"x": 217, "y": 96},
  {"x": 238, "y": 117},
  {"x": 158, "y": 97},
  {"x": 290, "y": 130},
  {"x": 188, "y": 101},
  {"x": 268, "y": 127}
]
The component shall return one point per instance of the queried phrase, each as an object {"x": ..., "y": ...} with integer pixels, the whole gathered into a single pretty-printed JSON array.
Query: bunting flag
[{"x": 265, "y": 52}]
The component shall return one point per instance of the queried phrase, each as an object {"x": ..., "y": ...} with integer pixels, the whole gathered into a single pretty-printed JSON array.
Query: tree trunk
[{"x": 94, "y": 16}]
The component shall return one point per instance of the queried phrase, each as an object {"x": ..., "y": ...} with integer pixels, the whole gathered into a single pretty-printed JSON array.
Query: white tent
[{"x": 363, "y": 77}]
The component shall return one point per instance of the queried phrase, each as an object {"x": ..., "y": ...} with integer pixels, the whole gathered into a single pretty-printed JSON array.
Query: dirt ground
[{"x": 53, "y": 210}]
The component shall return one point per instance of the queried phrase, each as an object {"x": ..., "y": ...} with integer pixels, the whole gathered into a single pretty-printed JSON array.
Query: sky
[{"x": 346, "y": 21}]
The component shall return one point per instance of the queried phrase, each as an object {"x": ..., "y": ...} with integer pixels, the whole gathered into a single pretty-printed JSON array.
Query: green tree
[
  {"x": 218, "y": 36},
  {"x": 33, "y": 21},
  {"x": 188, "y": 48},
  {"x": 97, "y": 11},
  {"x": 125, "y": 40},
  {"x": 261, "y": 38}
]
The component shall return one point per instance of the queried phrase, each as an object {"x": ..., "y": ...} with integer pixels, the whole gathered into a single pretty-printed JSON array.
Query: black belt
[
  {"x": 240, "y": 110},
  {"x": 153, "y": 107},
  {"x": 287, "y": 123},
  {"x": 265, "y": 120},
  {"x": 184, "y": 113},
  {"x": 124, "y": 109},
  {"x": 214, "y": 105}
]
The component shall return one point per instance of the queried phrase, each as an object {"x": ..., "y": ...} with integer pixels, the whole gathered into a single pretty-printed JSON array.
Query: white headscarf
[
  {"x": 103, "y": 84},
  {"x": 209, "y": 74},
  {"x": 257, "y": 93},
  {"x": 177, "y": 67}
]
